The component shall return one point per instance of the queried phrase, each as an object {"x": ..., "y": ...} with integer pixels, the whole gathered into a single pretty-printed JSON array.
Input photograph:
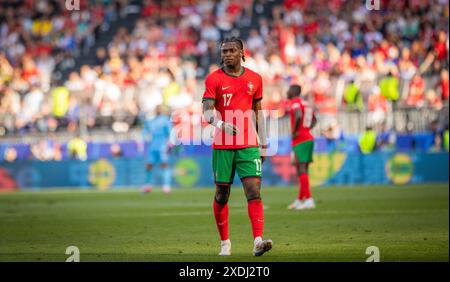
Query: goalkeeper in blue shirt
[{"x": 156, "y": 133}]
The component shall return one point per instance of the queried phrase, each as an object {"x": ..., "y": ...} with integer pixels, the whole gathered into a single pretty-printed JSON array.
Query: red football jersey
[
  {"x": 303, "y": 130},
  {"x": 234, "y": 96}
]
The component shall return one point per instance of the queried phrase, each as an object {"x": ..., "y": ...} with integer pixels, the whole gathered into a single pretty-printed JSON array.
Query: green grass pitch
[{"x": 406, "y": 223}]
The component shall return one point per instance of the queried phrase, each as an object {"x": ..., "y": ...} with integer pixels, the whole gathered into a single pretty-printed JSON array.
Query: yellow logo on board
[
  {"x": 325, "y": 166},
  {"x": 102, "y": 174},
  {"x": 400, "y": 168}
]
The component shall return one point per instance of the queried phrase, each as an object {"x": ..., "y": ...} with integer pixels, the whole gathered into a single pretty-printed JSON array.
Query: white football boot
[
  {"x": 166, "y": 189},
  {"x": 146, "y": 189},
  {"x": 295, "y": 205},
  {"x": 307, "y": 204},
  {"x": 225, "y": 247},
  {"x": 261, "y": 246}
]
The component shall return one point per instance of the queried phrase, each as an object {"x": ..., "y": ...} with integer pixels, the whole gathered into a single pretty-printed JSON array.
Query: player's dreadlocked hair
[
  {"x": 233, "y": 39},
  {"x": 297, "y": 88}
]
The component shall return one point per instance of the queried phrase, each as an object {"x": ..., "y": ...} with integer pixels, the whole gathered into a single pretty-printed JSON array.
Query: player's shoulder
[
  {"x": 213, "y": 78},
  {"x": 215, "y": 74},
  {"x": 253, "y": 73},
  {"x": 300, "y": 100},
  {"x": 305, "y": 103},
  {"x": 296, "y": 102}
]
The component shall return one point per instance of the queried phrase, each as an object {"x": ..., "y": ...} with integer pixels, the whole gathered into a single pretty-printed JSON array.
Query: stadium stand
[{"x": 100, "y": 70}]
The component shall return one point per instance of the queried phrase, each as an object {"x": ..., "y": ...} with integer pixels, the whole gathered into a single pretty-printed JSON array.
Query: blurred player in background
[
  {"x": 233, "y": 89},
  {"x": 302, "y": 121},
  {"x": 156, "y": 133}
]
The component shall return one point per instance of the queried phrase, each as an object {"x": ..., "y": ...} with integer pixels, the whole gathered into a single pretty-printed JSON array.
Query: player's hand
[
  {"x": 169, "y": 147},
  {"x": 230, "y": 128},
  {"x": 293, "y": 158},
  {"x": 263, "y": 153}
]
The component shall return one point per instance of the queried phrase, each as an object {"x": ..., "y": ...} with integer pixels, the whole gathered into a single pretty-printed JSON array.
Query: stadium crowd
[{"x": 346, "y": 57}]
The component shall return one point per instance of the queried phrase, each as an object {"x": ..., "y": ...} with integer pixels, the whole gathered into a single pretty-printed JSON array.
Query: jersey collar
[{"x": 242, "y": 72}]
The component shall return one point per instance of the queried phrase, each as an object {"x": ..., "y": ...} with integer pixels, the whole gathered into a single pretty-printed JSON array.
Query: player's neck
[{"x": 236, "y": 70}]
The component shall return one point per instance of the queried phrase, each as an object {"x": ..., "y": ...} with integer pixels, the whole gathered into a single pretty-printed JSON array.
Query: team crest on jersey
[{"x": 250, "y": 88}]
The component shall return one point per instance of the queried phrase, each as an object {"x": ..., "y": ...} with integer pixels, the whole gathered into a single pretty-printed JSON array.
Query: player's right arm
[
  {"x": 209, "y": 102},
  {"x": 314, "y": 121},
  {"x": 297, "y": 119},
  {"x": 146, "y": 132},
  {"x": 210, "y": 117}
]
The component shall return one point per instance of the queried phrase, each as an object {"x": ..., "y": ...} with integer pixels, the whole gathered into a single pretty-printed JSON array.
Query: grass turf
[{"x": 407, "y": 223}]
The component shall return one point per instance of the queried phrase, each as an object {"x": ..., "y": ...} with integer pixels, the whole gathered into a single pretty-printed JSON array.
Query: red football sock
[
  {"x": 256, "y": 214},
  {"x": 221, "y": 216},
  {"x": 304, "y": 191},
  {"x": 299, "y": 195}
]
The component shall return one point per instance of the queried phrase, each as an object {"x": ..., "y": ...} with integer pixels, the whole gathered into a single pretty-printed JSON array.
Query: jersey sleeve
[
  {"x": 168, "y": 127},
  {"x": 259, "y": 91},
  {"x": 210, "y": 88},
  {"x": 146, "y": 131}
]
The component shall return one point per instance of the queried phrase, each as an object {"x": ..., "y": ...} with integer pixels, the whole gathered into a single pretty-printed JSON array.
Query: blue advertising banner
[{"x": 337, "y": 168}]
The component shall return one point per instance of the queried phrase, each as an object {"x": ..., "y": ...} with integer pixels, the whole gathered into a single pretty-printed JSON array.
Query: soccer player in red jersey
[
  {"x": 302, "y": 121},
  {"x": 235, "y": 93}
]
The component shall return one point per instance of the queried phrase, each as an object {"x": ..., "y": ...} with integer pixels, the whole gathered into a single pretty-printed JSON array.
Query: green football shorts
[
  {"x": 246, "y": 161},
  {"x": 304, "y": 151}
]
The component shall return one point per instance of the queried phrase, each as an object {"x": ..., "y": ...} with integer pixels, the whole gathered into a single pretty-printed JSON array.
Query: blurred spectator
[
  {"x": 353, "y": 98},
  {"x": 115, "y": 150},
  {"x": 332, "y": 133},
  {"x": 377, "y": 106},
  {"x": 441, "y": 47},
  {"x": 43, "y": 150},
  {"x": 10, "y": 154},
  {"x": 77, "y": 148},
  {"x": 433, "y": 100},
  {"x": 60, "y": 101},
  {"x": 407, "y": 67},
  {"x": 438, "y": 134},
  {"x": 100, "y": 57},
  {"x": 416, "y": 96},
  {"x": 389, "y": 87},
  {"x": 10, "y": 106},
  {"x": 57, "y": 152},
  {"x": 443, "y": 84},
  {"x": 322, "y": 97},
  {"x": 367, "y": 141},
  {"x": 72, "y": 114},
  {"x": 446, "y": 141},
  {"x": 75, "y": 84},
  {"x": 255, "y": 42},
  {"x": 385, "y": 140}
]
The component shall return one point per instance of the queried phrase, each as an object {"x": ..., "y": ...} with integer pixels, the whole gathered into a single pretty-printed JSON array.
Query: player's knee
[
  {"x": 222, "y": 198},
  {"x": 252, "y": 192},
  {"x": 252, "y": 188},
  {"x": 222, "y": 194},
  {"x": 302, "y": 168},
  {"x": 252, "y": 197},
  {"x": 164, "y": 165},
  {"x": 297, "y": 168},
  {"x": 149, "y": 166}
]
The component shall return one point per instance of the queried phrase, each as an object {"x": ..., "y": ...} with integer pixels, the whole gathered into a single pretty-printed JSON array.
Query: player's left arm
[
  {"x": 146, "y": 131},
  {"x": 171, "y": 134},
  {"x": 260, "y": 124},
  {"x": 209, "y": 102},
  {"x": 297, "y": 119},
  {"x": 314, "y": 121}
]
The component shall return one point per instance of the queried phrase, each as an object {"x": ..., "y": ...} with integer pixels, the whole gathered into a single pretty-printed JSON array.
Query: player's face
[{"x": 231, "y": 54}]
